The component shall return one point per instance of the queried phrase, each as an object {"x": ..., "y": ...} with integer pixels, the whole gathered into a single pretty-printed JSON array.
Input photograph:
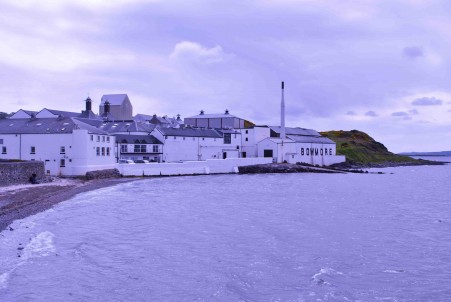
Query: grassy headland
[{"x": 361, "y": 150}]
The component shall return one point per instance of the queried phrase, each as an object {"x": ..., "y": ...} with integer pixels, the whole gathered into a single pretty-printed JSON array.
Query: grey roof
[
  {"x": 114, "y": 99},
  {"x": 62, "y": 113},
  {"x": 228, "y": 131},
  {"x": 142, "y": 117},
  {"x": 125, "y": 126},
  {"x": 88, "y": 115},
  {"x": 223, "y": 115},
  {"x": 134, "y": 139},
  {"x": 191, "y": 132},
  {"x": 296, "y": 131},
  {"x": 44, "y": 126},
  {"x": 311, "y": 139}
]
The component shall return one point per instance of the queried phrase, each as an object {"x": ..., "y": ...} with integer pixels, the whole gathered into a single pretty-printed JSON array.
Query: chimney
[
  {"x": 106, "y": 107},
  {"x": 282, "y": 115},
  {"x": 201, "y": 112},
  {"x": 88, "y": 104},
  {"x": 227, "y": 111}
]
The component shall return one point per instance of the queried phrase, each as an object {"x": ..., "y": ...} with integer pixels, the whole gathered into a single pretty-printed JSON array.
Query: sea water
[{"x": 269, "y": 237}]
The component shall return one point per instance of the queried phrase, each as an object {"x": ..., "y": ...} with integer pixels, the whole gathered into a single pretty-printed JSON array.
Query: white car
[{"x": 126, "y": 161}]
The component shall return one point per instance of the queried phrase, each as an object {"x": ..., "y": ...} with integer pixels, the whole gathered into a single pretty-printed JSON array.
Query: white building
[
  {"x": 66, "y": 145},
  {"x": 186, "y": 144},
  {"x": 300, "y": 145}
]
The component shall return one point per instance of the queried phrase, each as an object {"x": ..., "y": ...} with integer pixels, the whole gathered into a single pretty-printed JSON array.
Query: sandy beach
[{"x": 20, "y": 201}]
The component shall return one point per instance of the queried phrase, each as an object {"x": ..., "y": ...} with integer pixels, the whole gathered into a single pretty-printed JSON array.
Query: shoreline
[{"x": 21, "y": 201}]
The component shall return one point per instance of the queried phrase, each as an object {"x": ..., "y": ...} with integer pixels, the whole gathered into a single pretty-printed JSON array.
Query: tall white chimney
[{"x": 282, "y": 115}]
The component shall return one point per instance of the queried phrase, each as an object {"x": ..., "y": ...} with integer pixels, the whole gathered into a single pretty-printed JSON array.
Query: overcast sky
[{"x": 383, "y": 67}]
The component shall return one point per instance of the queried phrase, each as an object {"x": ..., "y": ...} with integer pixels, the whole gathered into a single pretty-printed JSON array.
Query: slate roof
[
  {"x": 190, "y": 132},
  {"x": 62, "y": 113},
  {"x": 296, "y": 131},
  {"x": 45, "y": 126},
  {"x": 311, "y": 139},
  {"x": 125, "y": 126},
  {"x": 136, "y": 139},
  {"x": 215, "y": 115},
  {"x": 114, "y": 99}
]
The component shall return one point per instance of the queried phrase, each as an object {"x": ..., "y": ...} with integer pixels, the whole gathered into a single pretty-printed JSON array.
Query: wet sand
[{"x": 20, "y": 201}]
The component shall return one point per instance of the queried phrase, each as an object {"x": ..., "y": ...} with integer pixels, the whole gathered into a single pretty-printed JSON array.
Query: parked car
[
  {"x": 126, "y": 161},
  {"x": 141, "y": 161}
]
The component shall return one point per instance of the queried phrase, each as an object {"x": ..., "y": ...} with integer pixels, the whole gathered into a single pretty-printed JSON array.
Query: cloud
[
  {"x": 413, "y": 112},
  {"x": 400, "y": 113},
  {"x": 412, "y": 52},
  {"x": 427, "y": 101},
  {"x": 351, "y": 113},
  {"x": 371, "y": 113},
  {"x": 195, "y": 52}
]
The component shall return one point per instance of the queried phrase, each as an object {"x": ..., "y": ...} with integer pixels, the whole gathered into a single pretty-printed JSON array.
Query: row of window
[
  {"x": 99, "y": 138},
  {"x": 103, "y": 151},
  {"x": 140, "y": 148},
  {"x": 33, "y": 150}
]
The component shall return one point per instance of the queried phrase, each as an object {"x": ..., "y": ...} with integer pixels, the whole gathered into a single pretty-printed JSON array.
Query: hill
[
  {"x": 361, "y": 149},
  {"x": 440, "y": 153}
]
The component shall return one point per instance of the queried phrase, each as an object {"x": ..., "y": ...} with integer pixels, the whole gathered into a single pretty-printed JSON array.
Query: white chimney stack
[{"x": 282, "y": 115}]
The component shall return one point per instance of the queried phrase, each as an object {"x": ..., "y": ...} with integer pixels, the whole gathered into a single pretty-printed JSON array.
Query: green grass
[{"x": 359, "y": 147}]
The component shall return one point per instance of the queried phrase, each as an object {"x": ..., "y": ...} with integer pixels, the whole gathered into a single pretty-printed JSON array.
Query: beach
[{"x": 20, "y": 201}]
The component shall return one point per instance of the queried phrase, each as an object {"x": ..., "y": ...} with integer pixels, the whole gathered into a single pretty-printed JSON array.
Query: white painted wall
[
  {"x": 253, "y": 135},
  {"x": 292, "y": 152},
  {"x": 80, "y": 152},
  {"x": 209, "y": 166},
  {"x": 178, "y": 148}
]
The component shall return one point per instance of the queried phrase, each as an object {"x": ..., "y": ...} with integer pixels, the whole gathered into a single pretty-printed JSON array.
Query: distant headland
[{"x": 361, "y": 150}]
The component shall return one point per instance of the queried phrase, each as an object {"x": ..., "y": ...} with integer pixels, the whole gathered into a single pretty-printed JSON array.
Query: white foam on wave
[
  {"x": 4, "y": 280},
  {"x": 327, "y": 271},
  {"x": 394, "y": 271},
  {"x": 41, "y": 245}
]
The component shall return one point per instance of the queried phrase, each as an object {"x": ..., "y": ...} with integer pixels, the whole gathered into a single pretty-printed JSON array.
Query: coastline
[{"x": 21, "y": 201}]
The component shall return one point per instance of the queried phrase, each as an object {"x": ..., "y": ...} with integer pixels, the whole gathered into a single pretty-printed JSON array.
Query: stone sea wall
[{"x": 20, "y": 172}]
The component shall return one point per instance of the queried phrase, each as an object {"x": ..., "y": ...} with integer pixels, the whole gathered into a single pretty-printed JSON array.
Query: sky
[{"x": 382, "y": 67}]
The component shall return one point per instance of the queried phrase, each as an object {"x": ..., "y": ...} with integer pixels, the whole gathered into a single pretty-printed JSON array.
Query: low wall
[
  {"x": 20, "y": 172},
  {"x": 209, "y": 166}
]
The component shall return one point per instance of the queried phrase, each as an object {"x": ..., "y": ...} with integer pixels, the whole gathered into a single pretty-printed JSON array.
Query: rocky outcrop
[
  {"x": 283, "y": 168},
  {"x": 103, "y": 174}
]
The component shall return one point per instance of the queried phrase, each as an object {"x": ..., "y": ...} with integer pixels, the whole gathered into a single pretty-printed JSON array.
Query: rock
[{"x": 103, "y": 174}]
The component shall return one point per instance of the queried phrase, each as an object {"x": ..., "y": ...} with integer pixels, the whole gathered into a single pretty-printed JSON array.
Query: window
[
  {"x": 62, "y": 162},
  {"x": 227, "y": 138},
  {"x": 98, "y": 138},
  {"x": 165, "y": 137},
  {"x": 107, "y": 139},
  {"x": 247, "y": 131},
  {"x": 108, "y": 151},
  {"x": 1, "y": 141},
  {"x": 175, "y": 137},
  {"x": 92, "y": 137},
  {"x": 4, "y": 150},
  {"x": 124, "y": 149},
  {"x": 33, "y": 150},
  {"x": 103, "y": 138},
  {"x": 62, "y": 150},
  {"x": 155, "y": 148},
  {"x": 184, "y": 138},
  {"x": 247, "y": 139},
  {"x": 98, "y": 151},
  {"x": 103, "y": 151},
  {"x": 140, "y": 149}
]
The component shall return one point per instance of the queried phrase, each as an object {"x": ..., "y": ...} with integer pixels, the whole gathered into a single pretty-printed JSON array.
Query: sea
[{"x": 378, "y": 236}]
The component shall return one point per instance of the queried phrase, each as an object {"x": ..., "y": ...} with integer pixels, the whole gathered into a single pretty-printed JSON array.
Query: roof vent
[{"x": 201, "y": 112}]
